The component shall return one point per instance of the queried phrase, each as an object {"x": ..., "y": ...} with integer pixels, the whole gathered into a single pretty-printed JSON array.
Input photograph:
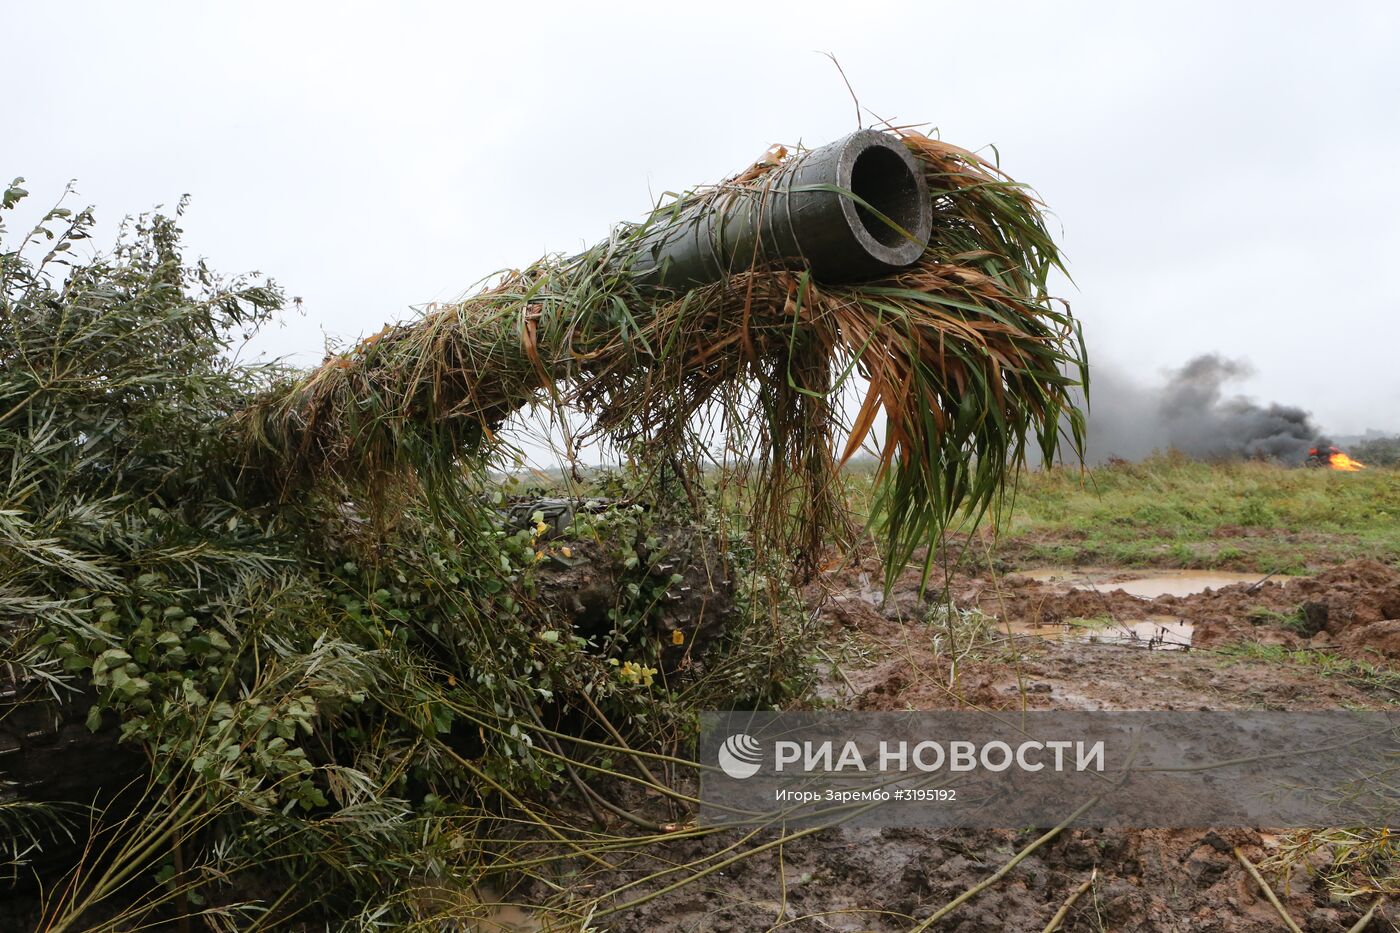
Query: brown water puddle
[
  {"x": 503, "y": 917},
  {"x": 1164, "y": 632},
  {"x": 1145, "y": 584},
  {"x": 481, "y": 909},
  {"x": 508, "y": 918}
]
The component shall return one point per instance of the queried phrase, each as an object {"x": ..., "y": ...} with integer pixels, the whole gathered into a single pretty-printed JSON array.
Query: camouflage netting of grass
[
  {"x": 964, "y": 354},
  {"x": 335, "y": 687}
]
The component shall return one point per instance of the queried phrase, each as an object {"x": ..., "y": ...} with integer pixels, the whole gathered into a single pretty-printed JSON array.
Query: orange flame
[{"x": 1340, "y": 461}]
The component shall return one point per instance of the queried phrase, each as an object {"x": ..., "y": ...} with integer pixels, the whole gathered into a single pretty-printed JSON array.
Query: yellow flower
[
  {"x": 678, "y": 637},
  {"x": 634, "y": 673},
  {"x": 567, "y": 551}
]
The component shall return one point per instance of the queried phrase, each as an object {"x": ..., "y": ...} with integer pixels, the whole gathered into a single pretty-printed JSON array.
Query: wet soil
[{"x": 1052, "y": 640}]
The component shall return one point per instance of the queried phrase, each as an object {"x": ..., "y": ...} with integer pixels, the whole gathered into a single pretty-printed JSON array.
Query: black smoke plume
[{"x": 1191, "y": 413}]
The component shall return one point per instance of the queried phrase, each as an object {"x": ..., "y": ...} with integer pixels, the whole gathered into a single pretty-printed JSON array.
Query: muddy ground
[{"x": 1056, "y": 640}]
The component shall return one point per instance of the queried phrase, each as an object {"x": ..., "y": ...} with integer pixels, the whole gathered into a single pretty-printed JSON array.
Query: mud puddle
[
  {"x": 481, "y": 908},
  {"x": 495, "y": 913},
  {"x": 1164, "y": 632},
  {"x": 1146, "y": 584}
]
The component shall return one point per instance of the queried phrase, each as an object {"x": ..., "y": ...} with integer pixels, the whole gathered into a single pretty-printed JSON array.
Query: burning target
[{"x": 1333, "y": 459}]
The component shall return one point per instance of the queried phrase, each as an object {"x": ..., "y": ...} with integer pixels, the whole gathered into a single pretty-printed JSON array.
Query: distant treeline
[{"x": 1378, "y": 451}]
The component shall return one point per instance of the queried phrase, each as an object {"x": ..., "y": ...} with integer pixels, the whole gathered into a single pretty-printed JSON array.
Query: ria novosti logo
[{"x": 740, "y": 756}]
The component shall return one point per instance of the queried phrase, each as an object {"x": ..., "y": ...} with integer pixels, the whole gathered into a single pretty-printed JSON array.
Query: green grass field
[
  {"x": 1173, "y": 512},
  {"x": 1170, "y": 511}
]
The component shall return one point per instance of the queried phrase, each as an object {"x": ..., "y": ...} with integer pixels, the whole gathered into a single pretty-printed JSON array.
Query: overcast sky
[{"x": 1226, "y": 175}]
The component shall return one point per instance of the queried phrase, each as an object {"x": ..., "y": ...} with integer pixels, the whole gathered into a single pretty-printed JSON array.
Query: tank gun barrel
[{"x": 852, "y": 209}]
